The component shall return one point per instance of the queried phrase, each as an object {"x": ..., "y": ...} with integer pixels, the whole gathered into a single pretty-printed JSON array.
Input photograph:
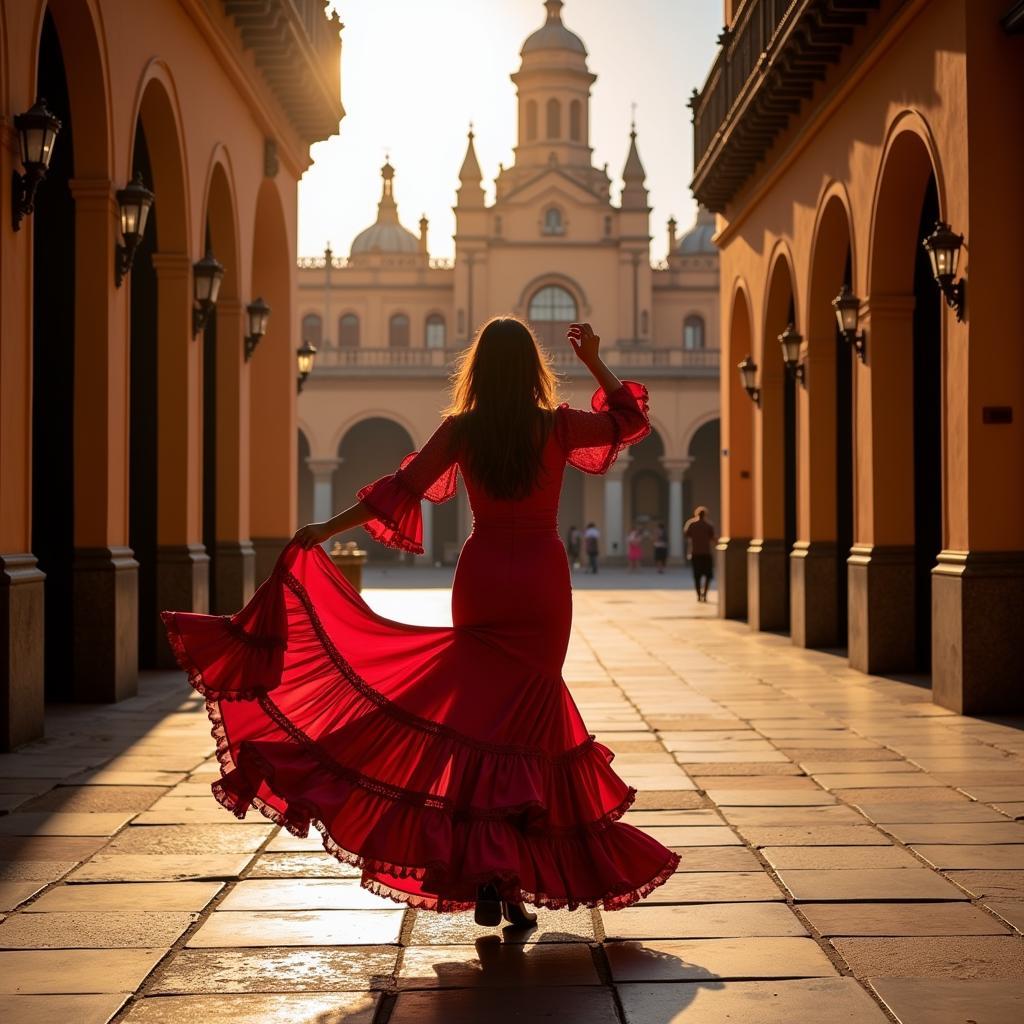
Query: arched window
[
  {"x": 575, "y": 120},
  {"x": 531, "y": 120},
  {"x": 313, "y": 329},
  {"x": 693, "y": 332},
  {"x": 551, "y": 311},
  {"x": 348, "y": 331},
  {"x": 554, "y": 119},
  {"x": 398, "y": 331},
  {"x": 553, "y": 224},
  {"x": 435, "y": 331}
]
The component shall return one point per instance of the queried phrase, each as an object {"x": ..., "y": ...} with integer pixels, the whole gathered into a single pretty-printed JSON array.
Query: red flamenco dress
[{"x": 435, "y": 759}]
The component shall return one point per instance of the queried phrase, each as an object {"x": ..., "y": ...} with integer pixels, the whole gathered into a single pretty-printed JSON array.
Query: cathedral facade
[{"x": 552, "y": 248}]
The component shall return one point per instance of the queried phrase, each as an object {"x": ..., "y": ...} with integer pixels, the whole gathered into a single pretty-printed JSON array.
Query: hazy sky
[{"x": 415, "y": 72}]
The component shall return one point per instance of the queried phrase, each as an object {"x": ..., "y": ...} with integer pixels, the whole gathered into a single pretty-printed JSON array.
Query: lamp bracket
[
  {"x": 251, "y": 342},
  {"x": 955, "y": 296},
  {"x": 23, "y": 195}
]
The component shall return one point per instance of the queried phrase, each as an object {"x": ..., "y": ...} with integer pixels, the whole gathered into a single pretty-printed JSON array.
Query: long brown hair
[{"x": 503, "y": 395}]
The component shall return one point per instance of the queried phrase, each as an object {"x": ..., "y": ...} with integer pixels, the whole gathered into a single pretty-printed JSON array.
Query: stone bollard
[{"x": 350, "y": 559}]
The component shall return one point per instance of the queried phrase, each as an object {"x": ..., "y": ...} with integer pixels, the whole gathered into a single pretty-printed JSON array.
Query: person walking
[
  {"x": 660, "y": 547},
  {"x": 592, "y": 543},
  {"x": 635, "y": 548},
  {"x": 573, "y": 545},
  {"x": 449, "y": 764},
  {"x": 700, "y": 542}
]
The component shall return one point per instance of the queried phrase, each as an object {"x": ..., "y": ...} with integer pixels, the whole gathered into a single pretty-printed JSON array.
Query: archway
[
  {"x": 647, "y": 490},
  {"x": 370, "y": 449},
  {"x": 702, "y": 485},
  {"x": 273, "y": 471},
  {"x": 305, "y": 480}
]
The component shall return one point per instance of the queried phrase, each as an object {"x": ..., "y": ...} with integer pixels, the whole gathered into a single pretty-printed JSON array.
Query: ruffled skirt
[{"x": 426, "y": 756}]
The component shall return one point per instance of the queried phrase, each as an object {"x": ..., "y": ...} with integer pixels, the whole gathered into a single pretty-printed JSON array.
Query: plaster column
[
  {"x": 323, "y": 487},
  {"x": 676, "y": 470},
  {"x": 614, "y": 495}
]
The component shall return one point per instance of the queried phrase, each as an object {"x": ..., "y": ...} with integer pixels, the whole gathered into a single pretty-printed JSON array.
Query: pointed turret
[
  {"x": 386, "y": 234},
  {"x": 471, "y": 189},
  {"x": 634, "y": 195},
  {"x": 424, "y": 225}
]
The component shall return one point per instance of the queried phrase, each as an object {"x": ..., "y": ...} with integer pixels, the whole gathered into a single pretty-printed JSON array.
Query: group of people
[{"x": 699, "y": 533}]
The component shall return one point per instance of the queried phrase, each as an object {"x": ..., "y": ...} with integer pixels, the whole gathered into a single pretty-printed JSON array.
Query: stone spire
[
  {"x": 471, "y": 189},
  {"x": 634, "y": 195},
  {"x": 387, "y": 208}
]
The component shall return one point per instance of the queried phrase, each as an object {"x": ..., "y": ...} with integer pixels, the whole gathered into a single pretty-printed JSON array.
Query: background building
[
  {"x": 145, "y": 464},
  {"x": 552, "y": 248},
  {"x": 876, "y": 502}
]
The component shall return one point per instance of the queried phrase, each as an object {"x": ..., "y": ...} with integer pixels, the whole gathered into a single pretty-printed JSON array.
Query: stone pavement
[{"x": 850, "y": 852}]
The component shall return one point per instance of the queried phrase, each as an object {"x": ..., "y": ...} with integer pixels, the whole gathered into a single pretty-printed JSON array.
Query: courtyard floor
[{"x": 850, "y": 852}]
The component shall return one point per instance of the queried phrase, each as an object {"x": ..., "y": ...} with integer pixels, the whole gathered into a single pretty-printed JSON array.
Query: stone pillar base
[
  {"x": 880, "y": 583},
  {"x": 977, "y": 656},
  {"x": 266, "y": 551},
  {"x": 182, "y": 585},
  {"x": 813, "y": 595},
  {"x": 21, "y": 650},
  {"x": 235, "y": 576},
  {"x": 731, "y": 570},
  {"x": 766, "y": 584},
  {"x": 105, "y": 587}
]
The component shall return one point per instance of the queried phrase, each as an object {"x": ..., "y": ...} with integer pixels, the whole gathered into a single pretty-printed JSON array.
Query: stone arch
[
  {"x": 272, "y": 468},
  {"x": 334, "y": 441},
  {"x": 702, "y": 485},
  {"x": 553, "y": 119},
  {"x": 647, "y": 486},
  {"x": 570, "y": 284}
]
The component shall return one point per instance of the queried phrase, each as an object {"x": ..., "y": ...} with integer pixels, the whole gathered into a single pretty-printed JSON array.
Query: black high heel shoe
[
  {"x": 517, "y": 916},
  {"x": 488, "y": 907}
]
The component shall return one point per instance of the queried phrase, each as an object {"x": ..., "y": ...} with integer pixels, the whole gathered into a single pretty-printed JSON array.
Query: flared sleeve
[
  {"x": 593, "y": 440},
  {"x": 430, "y": 473}
]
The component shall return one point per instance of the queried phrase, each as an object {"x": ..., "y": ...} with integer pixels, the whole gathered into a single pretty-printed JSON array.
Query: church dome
[
  {"x": 697, "y": 241},
  {"x": 386, "y": 234},
  {"x": 553, "y": 35}
]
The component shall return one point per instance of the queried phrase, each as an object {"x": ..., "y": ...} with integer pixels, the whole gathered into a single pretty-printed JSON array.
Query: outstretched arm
[
  {"x": 316, "y": 533},
  {"x": 586, "y": 344}
]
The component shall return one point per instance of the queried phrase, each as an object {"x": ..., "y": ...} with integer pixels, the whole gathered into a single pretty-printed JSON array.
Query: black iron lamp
[
  {"x": 847, "y": 307},
  {"x": 943, "y": 248},
  {"x": 207, "y": 275},
  {"x": 258, "y": 313},
  {"x": 133, "y": 204},
  {"x": 305, "y": 357},
  {"x": 748, "y": 375},
  {"x": 791, "y": 341},
  {"x": 37, "y": 132}
]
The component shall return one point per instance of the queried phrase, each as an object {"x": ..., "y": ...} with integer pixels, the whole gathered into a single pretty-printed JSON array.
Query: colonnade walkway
[{"x": 850, "y": 852}]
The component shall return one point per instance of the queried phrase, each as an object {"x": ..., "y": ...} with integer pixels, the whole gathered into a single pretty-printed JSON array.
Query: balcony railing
[
  {"x": 429, "y": 362},
  {"x": 770, "y": 59},
  {"x": 343, "y": 262}
]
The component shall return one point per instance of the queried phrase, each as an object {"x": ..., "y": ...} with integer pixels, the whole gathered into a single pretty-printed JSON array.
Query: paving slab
[
  {"x": 302, "y": 894},
  {"x": 855, "y": 767},
  {"x": 75, "y": 971},
  {"x": 694, "y": 835},
  {"x": 769, "y": 797},
  {"x": 496, "y": 964},
  {"x": 301, "y": 865},
  {"x": 825, "y": 834},
  {"x": 108, "y": 777},
  {"x": 900, "y": 919},
  {"x": 1009, "y": 856},
  {"x": 725, "y": 959},
  {"x": 867, "y": 885},
  {"x": 990, "y": 883},
  {"x": 93, "y": 930},
  {"x": 930, "y": 813},
  {"x": 62, "y": 1009},
  {"x": 459, "y": 929},
  {"x": 14, "y": 893},
  {"x": 296, "y": 928},
  {"x": 194, "y": 840},
  {"x": 35, "y": 870},
  {"x": 667, "y": 799},
  {"x": 97, "y": 798},
  {"x": 934, "y": 956},
  {"x": 50, "y": 847},
  {"x": 202, "y": 971},
  {"x": 515, "y": 1006},
  {"x": 899, "y": 795},
  {"x": 705, "y": 920},
  {"x": 879, "y": 780},
  {"x": 155, "y": 867},
  {"x": 290, "y": 1008},
  {"x": 839, "y": 858},
  {"x": 951, "y": 1001},
  {"x": 831, "y": 814},
  {"x": 1011, "y": 911},
  {"x": 642, "y": 819},
  {"x": 285, "y": 842},
  {"x": 128, "y": 896},
  {"x": 716, "y": 887},
  {"x": 716, "y": 858},
  {"x": 749, "y": 1002},
  {"x": 975, "y": 832}
]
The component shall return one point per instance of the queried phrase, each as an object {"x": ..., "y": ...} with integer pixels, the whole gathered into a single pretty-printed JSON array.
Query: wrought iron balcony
[
  {"x": 438, "y": 362},
  {"x": 297, "y": 47},
  {"x": 770, "y": 59}
]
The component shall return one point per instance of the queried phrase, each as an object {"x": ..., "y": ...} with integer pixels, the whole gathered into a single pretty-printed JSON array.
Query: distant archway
[{"x": 702, "y": 484}]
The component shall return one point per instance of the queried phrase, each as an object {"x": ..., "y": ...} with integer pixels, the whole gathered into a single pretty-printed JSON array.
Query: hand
[
  {"x": 313, "y": 534},
  {"x": 584, "y": 341}
]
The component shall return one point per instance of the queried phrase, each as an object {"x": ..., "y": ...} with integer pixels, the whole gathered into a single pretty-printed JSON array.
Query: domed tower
[{"x": 386, "y": 235}]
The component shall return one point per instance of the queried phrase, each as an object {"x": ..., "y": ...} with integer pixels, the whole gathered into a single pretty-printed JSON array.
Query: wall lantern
[
  {"x": 258, "y": 313},
  {"x": 748, "y": 375},
  {"x": 37, "y": 131},
  {"x": 133, "y": 205},
  {"x": 791, "y": 342},
  {"x": 943, "y": 248},
  {"x": 305, "y": 357},
  {"x": 207, "y": 274},
  {"x": 847, "y": 307}
]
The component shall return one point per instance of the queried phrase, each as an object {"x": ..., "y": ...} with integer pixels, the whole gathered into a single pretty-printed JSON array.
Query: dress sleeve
[
  {"x": 593, "y": 440},
  {"x": 430, "y": 473}
]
